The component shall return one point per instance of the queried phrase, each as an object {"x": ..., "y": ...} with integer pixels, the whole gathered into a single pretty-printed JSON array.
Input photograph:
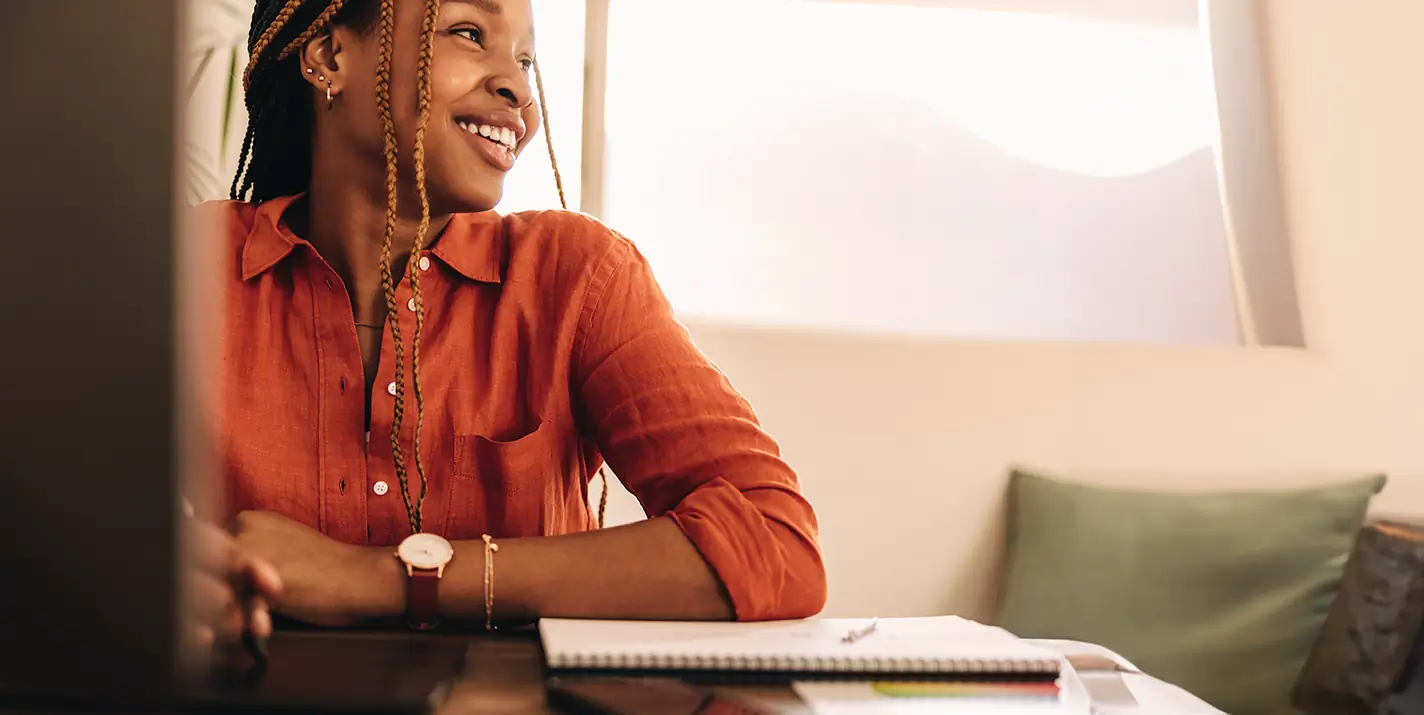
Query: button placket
[{"x": 338, "y": 355}]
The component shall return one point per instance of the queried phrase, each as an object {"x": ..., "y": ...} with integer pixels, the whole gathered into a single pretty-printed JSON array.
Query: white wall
[{"x": 903, "y": 446}]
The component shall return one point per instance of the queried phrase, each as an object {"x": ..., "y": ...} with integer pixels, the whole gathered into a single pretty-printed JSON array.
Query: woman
[{"x": 400, "y": 360}]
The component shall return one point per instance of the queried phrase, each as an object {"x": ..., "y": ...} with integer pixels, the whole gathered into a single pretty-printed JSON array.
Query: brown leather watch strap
[{"x": 423, "y": 599}]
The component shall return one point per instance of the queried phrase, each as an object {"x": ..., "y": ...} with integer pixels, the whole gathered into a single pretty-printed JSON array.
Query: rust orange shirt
[{"x": 547, "y": 348}]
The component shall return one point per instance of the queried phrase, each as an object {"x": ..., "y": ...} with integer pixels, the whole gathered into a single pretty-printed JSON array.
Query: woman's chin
[{"x": 469, "y": 200}]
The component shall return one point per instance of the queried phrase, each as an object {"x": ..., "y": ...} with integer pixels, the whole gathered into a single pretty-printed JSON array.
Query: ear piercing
[{"x": 322, "y": 78}]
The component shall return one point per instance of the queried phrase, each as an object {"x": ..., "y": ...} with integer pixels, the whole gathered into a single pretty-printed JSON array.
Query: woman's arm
[
  {"x": 647, "y": 570},
  {"x": 731, "y": 536}
]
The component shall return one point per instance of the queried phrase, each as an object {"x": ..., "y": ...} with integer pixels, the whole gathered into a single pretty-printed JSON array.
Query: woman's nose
[{"x": 512, "y": 87}]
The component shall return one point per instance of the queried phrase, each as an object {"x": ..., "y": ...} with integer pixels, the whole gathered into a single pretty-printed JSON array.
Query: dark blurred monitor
[{"x": 87, "y": 345}]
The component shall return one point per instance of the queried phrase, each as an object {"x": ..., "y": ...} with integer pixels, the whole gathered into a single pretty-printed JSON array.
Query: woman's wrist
[
  {"x": 379, "y": 592},
  {"x": 515, "y": 589}
]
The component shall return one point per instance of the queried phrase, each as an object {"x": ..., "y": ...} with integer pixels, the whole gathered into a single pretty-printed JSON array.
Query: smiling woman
[{"x": 513, "y": 354}]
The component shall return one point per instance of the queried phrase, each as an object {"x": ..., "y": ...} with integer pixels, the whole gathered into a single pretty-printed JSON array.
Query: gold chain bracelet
[{"x": 490, "y": 549}]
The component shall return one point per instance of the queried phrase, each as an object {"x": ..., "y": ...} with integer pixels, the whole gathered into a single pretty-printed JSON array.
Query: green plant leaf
[
  {"x": 198, "y": 73},
  {"x": 229, "y": 98}
]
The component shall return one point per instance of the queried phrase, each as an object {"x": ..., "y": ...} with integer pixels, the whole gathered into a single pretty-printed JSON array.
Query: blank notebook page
[{"x": 898, "y": 645}]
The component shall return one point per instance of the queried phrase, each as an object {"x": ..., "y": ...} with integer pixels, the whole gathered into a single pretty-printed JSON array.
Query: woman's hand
[
  {"x": 228, "y": 589},
  {"x": 325, "y": 582}
]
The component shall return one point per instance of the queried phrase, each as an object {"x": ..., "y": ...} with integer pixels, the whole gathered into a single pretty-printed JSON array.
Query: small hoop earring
[{"x": 328, "y": 94}]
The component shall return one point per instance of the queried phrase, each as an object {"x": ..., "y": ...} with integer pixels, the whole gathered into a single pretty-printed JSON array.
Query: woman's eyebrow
[{"x": 490, "y": 6}]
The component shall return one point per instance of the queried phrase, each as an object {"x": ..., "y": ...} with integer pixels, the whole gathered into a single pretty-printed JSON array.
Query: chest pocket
[{"x": 500, "y": 487}]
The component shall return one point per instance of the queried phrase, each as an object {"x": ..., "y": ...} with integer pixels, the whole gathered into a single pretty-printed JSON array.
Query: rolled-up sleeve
[{"x": 688, "y": 446}]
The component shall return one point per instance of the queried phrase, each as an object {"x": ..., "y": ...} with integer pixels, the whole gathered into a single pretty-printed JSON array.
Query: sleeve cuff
[{"x": 768, "y": 571}]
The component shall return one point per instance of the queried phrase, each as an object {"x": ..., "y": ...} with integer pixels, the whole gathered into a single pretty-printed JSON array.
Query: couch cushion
[{"x": 1222, "y": 593}]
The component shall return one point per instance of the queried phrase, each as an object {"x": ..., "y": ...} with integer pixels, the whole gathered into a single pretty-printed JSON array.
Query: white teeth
[{"x": 500, "y": 135}]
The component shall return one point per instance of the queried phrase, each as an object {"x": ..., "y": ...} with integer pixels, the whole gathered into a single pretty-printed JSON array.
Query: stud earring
[{"x": 310, "y": 71}]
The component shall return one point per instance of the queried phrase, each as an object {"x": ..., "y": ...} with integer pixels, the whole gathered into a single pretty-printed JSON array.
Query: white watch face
[{"x": 425, "y": 551}]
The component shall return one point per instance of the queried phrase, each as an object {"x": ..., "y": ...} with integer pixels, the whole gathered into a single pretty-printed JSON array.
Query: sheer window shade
[{"x": 928, "y": 168}]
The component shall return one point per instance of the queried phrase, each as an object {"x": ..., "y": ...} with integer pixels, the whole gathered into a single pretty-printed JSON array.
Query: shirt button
[
  {"x": 411, "y": 304},
  {"x": 425, "y": 263},
  {"x": 380, "y": 488},
  {"x": 391, "y": 388}
]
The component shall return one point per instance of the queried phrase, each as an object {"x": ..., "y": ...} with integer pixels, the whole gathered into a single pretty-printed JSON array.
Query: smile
[
  {"x": 503, "y": 136},
  {"x": 497, "y": 144}
]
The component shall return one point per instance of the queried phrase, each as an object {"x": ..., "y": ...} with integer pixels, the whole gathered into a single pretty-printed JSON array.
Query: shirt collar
[
  {"x": 472, "y": 245},
  {"x": 270, "y": 240}
]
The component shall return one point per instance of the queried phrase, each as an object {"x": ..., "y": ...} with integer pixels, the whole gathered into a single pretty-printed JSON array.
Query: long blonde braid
[
  {"x": 423, "y": 67},
  {"x": 386, "y": 51}
]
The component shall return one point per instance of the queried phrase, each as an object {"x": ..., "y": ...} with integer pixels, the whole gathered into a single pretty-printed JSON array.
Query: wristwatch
[{"x": 425, "y": 556}]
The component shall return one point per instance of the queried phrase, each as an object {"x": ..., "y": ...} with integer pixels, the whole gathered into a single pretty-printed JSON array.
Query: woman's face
[{"x": 483, "y": 112}]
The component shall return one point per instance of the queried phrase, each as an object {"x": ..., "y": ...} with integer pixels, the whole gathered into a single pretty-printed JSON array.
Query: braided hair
[{"x": 276, "y": 160}]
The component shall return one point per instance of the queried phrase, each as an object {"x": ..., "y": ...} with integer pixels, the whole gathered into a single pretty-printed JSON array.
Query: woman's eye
[
  {"x": 527, "y": 65},
  {"x": 474, "y": 34}
]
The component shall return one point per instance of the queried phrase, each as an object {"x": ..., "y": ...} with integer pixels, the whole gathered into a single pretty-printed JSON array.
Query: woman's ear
[{"x": 321, "y": 63}]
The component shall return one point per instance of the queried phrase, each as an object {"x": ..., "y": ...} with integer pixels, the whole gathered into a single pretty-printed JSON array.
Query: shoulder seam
[{"x": 597, "y": 290}]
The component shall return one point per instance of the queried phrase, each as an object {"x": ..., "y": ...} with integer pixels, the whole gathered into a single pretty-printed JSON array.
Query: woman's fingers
[
  {"x": 217, "y": 615},
  {"x": 229, "y": 591},
  {"x": 256, "y": 575},
  {"x": 259, "y": 617},
  {"x": 210, "y": 549}
]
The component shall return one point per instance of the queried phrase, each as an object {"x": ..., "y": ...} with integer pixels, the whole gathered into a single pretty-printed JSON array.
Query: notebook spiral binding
[{"x": 821, "y": 664}]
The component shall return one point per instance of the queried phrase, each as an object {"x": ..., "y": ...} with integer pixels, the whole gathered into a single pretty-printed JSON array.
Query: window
[
  {"x": 976, "y": 169},
  {"x": 967, "y": 169}
]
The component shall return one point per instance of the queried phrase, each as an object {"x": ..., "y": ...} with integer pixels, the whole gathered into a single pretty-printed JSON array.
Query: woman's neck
[{"x": 347, "y": 226}]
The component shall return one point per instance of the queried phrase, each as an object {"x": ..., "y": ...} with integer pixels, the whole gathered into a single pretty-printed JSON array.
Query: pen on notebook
[{"x": 856, "y": 635}]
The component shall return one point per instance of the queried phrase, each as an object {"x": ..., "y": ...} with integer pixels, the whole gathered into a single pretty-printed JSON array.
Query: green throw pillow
[{"x": 1221, "y": 593}]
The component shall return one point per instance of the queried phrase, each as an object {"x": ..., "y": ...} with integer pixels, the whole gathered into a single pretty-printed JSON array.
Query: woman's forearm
[{"x": 646, "y": 570}]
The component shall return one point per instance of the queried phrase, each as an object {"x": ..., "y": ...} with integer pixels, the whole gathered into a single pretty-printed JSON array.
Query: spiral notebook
[{"x": 944, "y": 647}]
